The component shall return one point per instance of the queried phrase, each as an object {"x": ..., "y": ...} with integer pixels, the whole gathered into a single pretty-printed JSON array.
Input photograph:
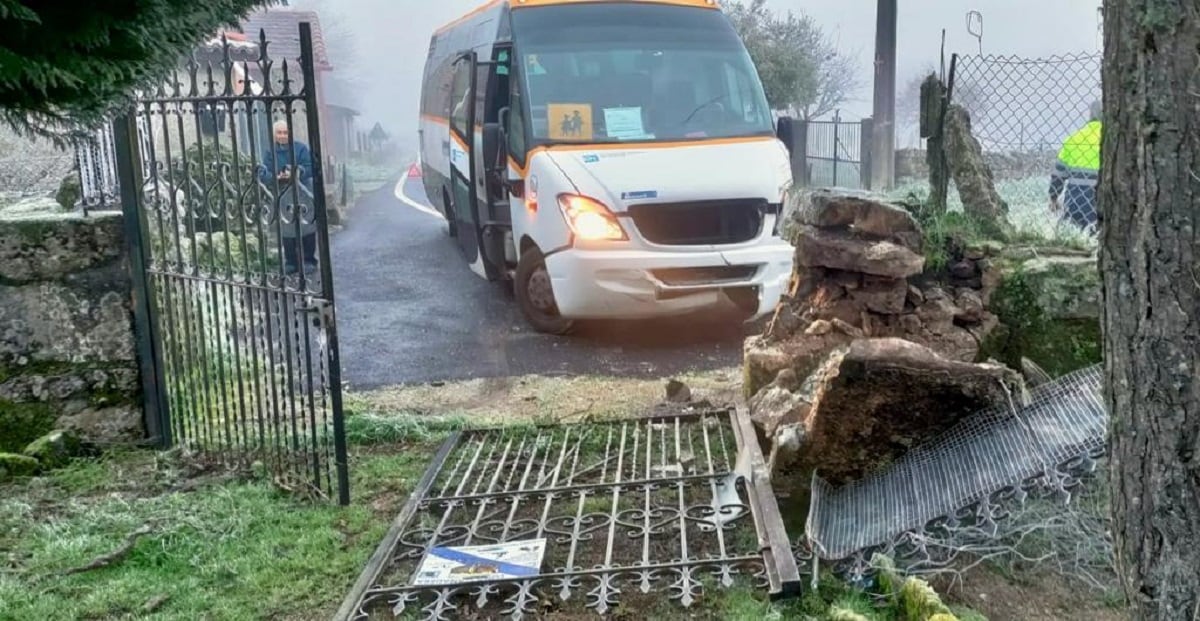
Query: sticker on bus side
[
  {"x": 639, "y": 195},
  {"x": 569, "y": 121}
]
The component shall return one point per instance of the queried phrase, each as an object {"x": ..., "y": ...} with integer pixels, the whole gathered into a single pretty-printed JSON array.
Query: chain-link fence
[
  {"x": 1038, "y": 121},
  {"x": 30, "y": 168},
  {"x": 33, "y": 170}
]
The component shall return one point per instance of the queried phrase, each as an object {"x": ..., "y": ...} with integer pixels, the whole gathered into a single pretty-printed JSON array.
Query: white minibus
[{"x": 612, "y": 159}]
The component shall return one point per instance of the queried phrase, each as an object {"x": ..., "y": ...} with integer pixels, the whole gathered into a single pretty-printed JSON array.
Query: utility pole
[{"x": 883, "y": 152}]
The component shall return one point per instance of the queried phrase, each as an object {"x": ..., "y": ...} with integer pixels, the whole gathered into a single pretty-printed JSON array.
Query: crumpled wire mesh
[{"x": 966, "y": 473}]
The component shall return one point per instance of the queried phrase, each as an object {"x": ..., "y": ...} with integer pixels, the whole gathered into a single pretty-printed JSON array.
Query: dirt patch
[
  {"x": 542, "y": 398},
  {"x": 1041, "y": 596}
]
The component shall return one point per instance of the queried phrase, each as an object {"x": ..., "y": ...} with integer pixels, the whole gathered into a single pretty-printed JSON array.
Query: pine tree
[{"x": 70, "y": 64}]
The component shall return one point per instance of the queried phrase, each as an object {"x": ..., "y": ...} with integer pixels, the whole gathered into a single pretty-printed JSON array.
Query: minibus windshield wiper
[{"x": 703, "y": 106}]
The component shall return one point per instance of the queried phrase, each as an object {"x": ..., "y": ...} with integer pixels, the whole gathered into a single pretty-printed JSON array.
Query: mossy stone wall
[
  {"x": 1049, "y": 310},
  {"x": 66, "y": 331}
]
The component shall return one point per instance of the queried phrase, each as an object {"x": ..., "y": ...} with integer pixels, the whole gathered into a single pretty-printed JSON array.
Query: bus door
[{"x": 462, "y": 156}]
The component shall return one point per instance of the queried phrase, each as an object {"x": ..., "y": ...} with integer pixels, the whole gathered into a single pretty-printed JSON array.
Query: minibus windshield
[{"x": 614, "y": 72}]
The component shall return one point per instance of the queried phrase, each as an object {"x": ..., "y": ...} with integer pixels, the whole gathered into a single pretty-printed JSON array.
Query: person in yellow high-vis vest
[{"x": 1077, "y": 172}]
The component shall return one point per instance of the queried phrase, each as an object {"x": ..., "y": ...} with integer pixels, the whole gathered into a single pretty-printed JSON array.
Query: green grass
[
  {"x": 233, "y": 548},
  {"x": 226, "y": 546}
]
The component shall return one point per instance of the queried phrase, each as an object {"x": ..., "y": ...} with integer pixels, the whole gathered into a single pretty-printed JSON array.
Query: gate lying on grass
[
  {"x": 239, "y": 356},
  {"x": 625, "y": 510}
]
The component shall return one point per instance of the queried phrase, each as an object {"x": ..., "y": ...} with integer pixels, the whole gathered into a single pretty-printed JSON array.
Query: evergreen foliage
[{"x": 69, "y": 64}]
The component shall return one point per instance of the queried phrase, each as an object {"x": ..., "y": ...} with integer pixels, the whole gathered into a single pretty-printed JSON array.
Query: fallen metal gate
[
  {"x": 239, "y": 353},
  {"x": 626, "y": 508}
]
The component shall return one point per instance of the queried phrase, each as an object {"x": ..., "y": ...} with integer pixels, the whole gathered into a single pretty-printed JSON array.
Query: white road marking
[{"x": 404, "y": 198}]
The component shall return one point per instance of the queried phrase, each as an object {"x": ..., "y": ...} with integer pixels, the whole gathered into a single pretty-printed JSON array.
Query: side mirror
[{"x": 784, "y": 131}]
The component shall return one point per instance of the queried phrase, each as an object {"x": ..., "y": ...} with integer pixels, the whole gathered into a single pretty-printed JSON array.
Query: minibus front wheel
[{"x": 535, "y": 294}]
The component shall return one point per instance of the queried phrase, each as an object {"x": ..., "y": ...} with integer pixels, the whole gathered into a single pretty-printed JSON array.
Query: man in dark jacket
[{"x": 278, "y": 172}]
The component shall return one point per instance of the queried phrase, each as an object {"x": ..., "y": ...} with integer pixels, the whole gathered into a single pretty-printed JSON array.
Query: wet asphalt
[{"x": 410, "y": 311}]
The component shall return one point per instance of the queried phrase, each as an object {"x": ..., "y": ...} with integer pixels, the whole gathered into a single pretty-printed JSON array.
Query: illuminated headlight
[{"x": 589, "y": 219}]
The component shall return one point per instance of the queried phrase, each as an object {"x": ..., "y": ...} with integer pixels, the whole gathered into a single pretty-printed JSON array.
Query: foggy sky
[{"x": 392, "y": 38}]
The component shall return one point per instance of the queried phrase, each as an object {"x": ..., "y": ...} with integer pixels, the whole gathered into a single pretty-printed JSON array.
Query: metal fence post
[
  {"x": 800, "y": 153},
  {"x": 312, "y": 115},
  {"x": 865, "y": 131},
  {"x": 837, "y": 123},
  {"x": 149, "y": 351}
]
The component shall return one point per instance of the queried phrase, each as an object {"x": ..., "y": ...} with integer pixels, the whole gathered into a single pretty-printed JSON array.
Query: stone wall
[
  {"x": 912, "y": 166},
  {"x": 66, "y": 333}
]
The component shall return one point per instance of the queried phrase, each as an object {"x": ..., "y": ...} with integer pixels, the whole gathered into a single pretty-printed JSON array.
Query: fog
[{"x": 391, "y": 38}]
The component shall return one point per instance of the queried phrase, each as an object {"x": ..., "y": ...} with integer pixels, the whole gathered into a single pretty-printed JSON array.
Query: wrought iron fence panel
[
  {"x": 834, "y": 153},
  {"x": 630, "y": 511},
  {"x": 231, "y": 227},
  {"x": 1028, "y": 114}
]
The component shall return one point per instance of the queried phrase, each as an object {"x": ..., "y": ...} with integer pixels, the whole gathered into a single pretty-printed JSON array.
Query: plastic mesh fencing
[
  {"x": 1029, "y": 115},
  {"x": 966, "y": 473}
]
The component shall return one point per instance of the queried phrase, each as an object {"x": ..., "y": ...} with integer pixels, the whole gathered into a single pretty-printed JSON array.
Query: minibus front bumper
[{"x": 634, "y": 284}]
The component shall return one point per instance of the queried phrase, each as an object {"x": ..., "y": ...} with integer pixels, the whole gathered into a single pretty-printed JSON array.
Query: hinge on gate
[{"x": 317, "y": 306}]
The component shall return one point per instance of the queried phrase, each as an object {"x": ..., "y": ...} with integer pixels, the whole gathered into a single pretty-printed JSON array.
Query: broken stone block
[
  {"x": 819, "y": 327},
  {"x": 862, "y": 215},
  {"x": 872, "y": 400},
  {"x": 820, "y": 248},
  {"x": 972, "y": 175},
  {"x": 970, "y": 306},
  {"x": 55, "y": 449},
  {"x": 678, "y": 392},
  {"x": 777, "y": 405},
  {"x": 882, "y": 295}
]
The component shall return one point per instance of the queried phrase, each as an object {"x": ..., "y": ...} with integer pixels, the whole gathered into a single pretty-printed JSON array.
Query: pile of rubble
[{"x": 868, "y": 353}]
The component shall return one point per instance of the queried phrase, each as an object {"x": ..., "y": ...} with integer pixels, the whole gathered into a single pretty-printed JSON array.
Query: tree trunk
[{"x": 1150, "y": 198}]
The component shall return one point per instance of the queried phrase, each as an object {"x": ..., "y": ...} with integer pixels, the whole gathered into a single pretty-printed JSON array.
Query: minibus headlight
[{"x": 589, "y": 219}]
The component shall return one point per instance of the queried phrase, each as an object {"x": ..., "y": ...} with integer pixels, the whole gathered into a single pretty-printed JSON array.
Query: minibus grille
[
  {"x": 701, "y": 222},
  {"x": 677, "y": 276}
]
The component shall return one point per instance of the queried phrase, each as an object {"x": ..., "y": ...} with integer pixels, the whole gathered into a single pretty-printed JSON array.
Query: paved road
[{"x": 411, "y": 311}]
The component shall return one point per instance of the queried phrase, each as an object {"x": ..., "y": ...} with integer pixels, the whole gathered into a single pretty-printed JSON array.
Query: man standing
[
  {"x": 279, "y": 172},
  {"x": 1073, "y": 182}
]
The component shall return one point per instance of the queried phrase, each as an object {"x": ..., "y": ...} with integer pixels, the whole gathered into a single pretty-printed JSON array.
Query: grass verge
[
  {"x": 220, "y": 546},
  {"x": 223, "y": 545}
]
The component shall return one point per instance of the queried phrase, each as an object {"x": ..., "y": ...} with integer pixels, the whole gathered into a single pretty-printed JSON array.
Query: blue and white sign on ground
[{"x": 501, "y": 561}]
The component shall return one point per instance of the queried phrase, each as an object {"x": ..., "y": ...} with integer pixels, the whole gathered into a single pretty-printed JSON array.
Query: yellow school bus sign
[{"x": 569, "y": 121}]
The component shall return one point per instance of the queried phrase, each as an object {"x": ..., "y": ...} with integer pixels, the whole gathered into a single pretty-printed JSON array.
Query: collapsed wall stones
[{"x": 867, "y": 354}]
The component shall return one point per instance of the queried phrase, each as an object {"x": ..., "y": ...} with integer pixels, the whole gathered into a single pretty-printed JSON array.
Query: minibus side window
[
  {"x": 458, "y": 97},
  {"x": 516, "y": 121}
]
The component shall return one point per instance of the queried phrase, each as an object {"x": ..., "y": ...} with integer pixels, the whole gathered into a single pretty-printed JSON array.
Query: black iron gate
[
  {"x": 612, "y": 515},
  {"x": 221, "y": 179}
]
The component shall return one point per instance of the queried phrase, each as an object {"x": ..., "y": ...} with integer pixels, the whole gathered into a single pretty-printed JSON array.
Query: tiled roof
[{"x": 282, "y": 27}]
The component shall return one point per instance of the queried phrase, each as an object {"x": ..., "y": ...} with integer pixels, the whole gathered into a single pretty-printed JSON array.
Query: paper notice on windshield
[
  {"x": 625, "y": 123},
  {"x": 570, "y": 121},
  {"x": 502, "y": 561}
]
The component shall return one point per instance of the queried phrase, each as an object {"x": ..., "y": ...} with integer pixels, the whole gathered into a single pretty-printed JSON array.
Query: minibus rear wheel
[{"x": 535, "y": 296}]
